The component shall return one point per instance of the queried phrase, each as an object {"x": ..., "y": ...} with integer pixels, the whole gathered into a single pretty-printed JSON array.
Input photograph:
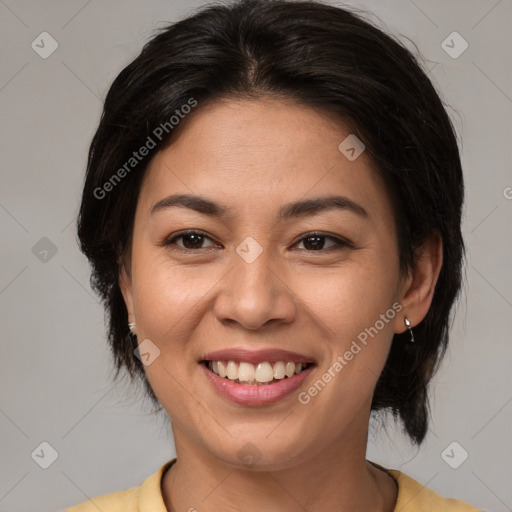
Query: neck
[{"x": 335, "y": 479}]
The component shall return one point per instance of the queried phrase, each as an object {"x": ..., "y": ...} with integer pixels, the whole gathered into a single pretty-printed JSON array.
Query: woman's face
[{"x": 263, "y": 283}]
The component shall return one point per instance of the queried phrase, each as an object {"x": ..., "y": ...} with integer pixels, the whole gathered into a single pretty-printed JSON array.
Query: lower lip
[{"x": 256, "y": 394}]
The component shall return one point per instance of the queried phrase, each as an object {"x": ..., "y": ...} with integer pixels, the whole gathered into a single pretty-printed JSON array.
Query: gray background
[{"x": 54, "y": 367}]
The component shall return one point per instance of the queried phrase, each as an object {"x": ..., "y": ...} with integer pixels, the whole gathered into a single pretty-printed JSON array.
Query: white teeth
[
  {"x": 261, "y": 373},
  {"x": 222, "y": 369},
  {"x": 245, "y": 372},
  {"x": 232, "y": 370},
  {"x": 279, "y": 371},
  {"x": 264, "y": 372},
  {"x": 290, "y": 369}
]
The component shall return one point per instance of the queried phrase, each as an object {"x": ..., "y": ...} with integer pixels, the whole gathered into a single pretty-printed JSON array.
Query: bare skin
[{"x": 254, "y": 157}]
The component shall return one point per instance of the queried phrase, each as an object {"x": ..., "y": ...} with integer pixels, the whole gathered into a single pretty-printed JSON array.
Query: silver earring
[
  {"x": 408, "y": 325},
  {"x": 132, "y": 334}
]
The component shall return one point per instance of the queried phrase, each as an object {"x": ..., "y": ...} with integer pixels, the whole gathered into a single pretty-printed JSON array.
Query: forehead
[{"x": 254, "y": 153}]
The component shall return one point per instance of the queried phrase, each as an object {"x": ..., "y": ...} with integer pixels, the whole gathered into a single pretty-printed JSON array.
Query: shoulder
[
  {"x": 126, "y": 501},
  {"x": 145, "y": 498},
  {"x": 415, "y": 497}
]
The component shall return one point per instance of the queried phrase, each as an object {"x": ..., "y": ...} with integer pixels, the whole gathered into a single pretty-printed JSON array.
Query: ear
[
  {"x": 125, "y": 284},
  {"x": 418, "y": 288}
]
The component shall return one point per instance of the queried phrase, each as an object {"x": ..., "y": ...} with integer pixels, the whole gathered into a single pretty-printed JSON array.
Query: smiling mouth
[{"x": 263, "y": 373}]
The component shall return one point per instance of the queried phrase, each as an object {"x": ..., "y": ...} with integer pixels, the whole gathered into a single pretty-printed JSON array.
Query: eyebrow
[{"x": 291, "y": 210}]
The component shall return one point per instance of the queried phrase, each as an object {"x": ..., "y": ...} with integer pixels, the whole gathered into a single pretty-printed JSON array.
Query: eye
[
  {"x": 191, "y": 240},
  {"x": 315, "y": 242}
]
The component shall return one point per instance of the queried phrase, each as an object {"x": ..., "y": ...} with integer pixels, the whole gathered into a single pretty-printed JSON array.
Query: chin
[
  {"x": 259, "y": 452},
  {"x": 249, "y": 457}
]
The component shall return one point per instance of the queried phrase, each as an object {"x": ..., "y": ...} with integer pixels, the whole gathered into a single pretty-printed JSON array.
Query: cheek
[
  {"x": 355, "y": 305},
  {"x": 351, "y": 298},
  {"x": 168, "y": 296}
]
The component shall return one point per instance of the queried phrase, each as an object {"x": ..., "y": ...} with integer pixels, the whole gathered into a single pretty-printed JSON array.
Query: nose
[{"x": 255, "y": 294}]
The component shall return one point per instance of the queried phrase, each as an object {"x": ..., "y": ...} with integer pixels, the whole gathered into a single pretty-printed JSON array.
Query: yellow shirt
[{"x": 412, "y": 497}]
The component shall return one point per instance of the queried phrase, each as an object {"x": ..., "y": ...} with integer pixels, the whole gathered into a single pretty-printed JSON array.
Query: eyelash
[{"x": 340, "y": 243}]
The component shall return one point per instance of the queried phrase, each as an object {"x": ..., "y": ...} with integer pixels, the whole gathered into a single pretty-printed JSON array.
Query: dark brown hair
[{"x": 321, "y": 56}]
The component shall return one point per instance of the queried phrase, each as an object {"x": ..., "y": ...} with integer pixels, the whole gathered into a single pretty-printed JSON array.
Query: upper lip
[{"x": 256, "y": 356}]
